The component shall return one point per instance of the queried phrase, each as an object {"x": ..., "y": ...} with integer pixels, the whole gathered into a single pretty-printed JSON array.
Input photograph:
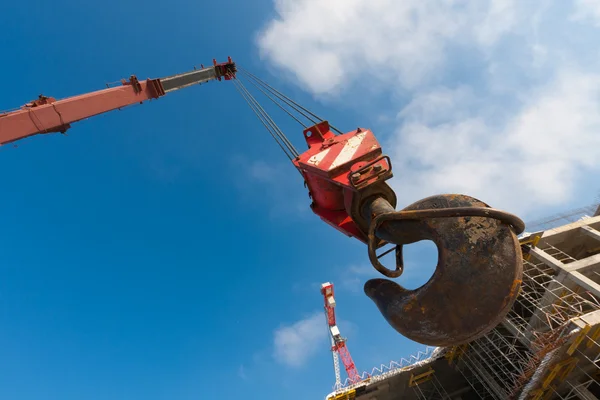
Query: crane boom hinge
[{"x": 153, "y": 86}]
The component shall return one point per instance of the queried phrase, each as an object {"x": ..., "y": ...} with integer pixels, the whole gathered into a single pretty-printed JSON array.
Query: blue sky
[{"x": 167, "y": 250}]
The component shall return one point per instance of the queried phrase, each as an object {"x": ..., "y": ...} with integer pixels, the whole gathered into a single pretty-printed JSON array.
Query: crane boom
[{"x": 48, "y": 115}]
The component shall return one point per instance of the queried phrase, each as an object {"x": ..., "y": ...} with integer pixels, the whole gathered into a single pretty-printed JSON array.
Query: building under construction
[{"x": 548, "y": 346}]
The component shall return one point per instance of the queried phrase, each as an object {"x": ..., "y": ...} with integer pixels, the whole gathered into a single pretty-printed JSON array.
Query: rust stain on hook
[{"x": 477, "y": 278}]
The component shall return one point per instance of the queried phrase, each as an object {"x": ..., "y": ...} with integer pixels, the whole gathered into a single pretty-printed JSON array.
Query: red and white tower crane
[{"x": 338, "y": 343}]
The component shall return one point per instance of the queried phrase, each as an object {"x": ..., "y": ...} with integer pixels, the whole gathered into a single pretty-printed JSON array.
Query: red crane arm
[{"x": 47, "y": 115}]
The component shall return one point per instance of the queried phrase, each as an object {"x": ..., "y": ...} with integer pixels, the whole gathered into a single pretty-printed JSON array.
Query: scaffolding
[
  {"x": 426, "y": 386},
  {"x": 537, "y": 351},
  {"x": 547, "y": 347}
]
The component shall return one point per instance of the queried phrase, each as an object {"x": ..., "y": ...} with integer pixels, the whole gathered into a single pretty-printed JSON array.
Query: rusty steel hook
[{"x": 477, "y": 277}]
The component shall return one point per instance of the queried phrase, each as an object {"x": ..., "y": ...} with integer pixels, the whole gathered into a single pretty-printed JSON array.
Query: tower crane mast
[{"x": 338, "y": 342}]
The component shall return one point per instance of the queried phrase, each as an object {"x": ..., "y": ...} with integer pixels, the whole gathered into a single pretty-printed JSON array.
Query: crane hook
[{"x": 477, "y": 278}]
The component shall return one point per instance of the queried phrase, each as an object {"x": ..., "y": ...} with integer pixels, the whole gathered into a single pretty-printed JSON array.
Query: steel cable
[
  {"x": 283, "y": 98},
  {"x": 280, "y": 106},
  {"x": 278, "y": 131},
  {"x": 286, "y": 99},
  {"x": 250, "y": 100}
]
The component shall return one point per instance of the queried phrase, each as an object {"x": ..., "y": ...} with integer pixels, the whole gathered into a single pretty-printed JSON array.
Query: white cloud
[
  {"x": 353, "y": 278},
  {"x": 242, "y": 373},
  {"x": 538, "y": 152},
  {"x": 295, "y": 344},
  {"x": 586, "y": 10},
  {"x": 326, "y": 43},
  {"x": 497, "y": 99}
]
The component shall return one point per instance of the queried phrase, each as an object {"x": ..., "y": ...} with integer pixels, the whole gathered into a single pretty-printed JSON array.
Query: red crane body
[{"x": 341, "y": 171}]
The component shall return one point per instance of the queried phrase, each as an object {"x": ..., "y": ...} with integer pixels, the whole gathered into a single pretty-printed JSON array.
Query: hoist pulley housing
[{"x": 342, "y": 170}]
